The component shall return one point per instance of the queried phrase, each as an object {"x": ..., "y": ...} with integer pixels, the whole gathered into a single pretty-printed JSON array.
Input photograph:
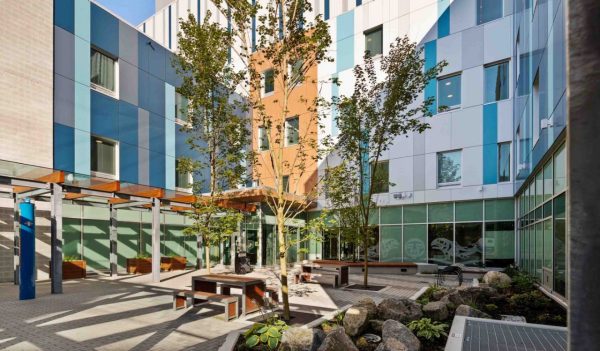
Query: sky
[{"x": 133, "y": 11}]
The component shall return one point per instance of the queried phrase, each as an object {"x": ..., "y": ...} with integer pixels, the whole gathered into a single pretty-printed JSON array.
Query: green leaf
[
  {"x": 274, "y": 333},
  {"x": 252, "y": 341},
  {"x": 262, "y": 330},
  {"x": 273, "y": 343},
  {"x": 264, "y": 337}
]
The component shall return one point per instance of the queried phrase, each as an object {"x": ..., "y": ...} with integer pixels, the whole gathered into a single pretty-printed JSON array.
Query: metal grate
[{"x": 488, "y": 335}]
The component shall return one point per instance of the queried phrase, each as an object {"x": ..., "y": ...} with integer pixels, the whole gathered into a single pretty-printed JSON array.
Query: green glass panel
[
  {"x": 441, "y": 212},
  {"x": 560, "y": 170},
  {"x": 96, "y": 243},
  {"x": 101, "y": 213},
  {"x": 174, "y": 240},
  {"x": 71, "y": 211},
  {"x": 414, "y": 243},
  {"x": 539, "y": 188},
  {"x": 147, "y": 216},
  {"x": 391, "y": 243},
  {"x": 146, "y": 246},
  {"x": 547, "y": 209},
  {"x": 374, "y": 216},
  {"x": 539, "y": 250},
  {"x": 415, "y": 214},
  {"x": 128, "y": 216},
  {"x": 500, "y": 244},
  {"x": 441, "y": 243},
  {"x": 128, "y": 241},
  {"x": 526, "y": 249},
  {"x": 190, "y": 248},
  {"x": 548, "y": 180},
  {"x": 174, "y": 219},
  {"x": 499, "y": 210},
  {"x": 469, "y": 211},
  {"x": 312, "y": 215},
  {"x": 469, "y": 243},
  {"x": 391, "y": 215},
  {"x": 548, "y": 243},
  {"x": 72, "y": 237}
]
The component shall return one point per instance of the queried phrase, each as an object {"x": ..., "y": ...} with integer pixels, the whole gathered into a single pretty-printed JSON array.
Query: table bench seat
[{"x": 189, "y": 298}]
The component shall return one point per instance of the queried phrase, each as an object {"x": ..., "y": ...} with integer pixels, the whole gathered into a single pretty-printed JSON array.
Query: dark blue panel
[
  {"x": 326, "y": 14},
  {"x": 143, "y": 89},
  {"x": 105, "y": 116},
  {"x": 156, "y": 61},
  {"x": 64, "y": 153},
  {"x": 128, "y": 123},
  {"x": 143, "y": 48},
  {"x": 27, "y": 253},
  {"x": 105, "y": 30},
  {"x": 171, "y": 75},
  {"x": 64, "y": 14},
  {"x": 128, "y": 158},
  {"x": 156, "y": 95},
  {"x": 157, "y": 169},
  {"x": 157, "y": 134},
  {"x": 444, "y": 23}
]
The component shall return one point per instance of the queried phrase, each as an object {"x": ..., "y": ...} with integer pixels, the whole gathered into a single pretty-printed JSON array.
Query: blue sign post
[{"x": 27, "y": 253}]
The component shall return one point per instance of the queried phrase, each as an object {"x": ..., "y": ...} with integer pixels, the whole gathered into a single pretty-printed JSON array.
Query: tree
[
  {"x": 217, "y": 127},
  {"x": 377, "y": 112}
]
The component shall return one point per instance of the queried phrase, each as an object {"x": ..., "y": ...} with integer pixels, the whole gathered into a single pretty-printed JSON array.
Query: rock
[
  {"x": 337, "y": 340},
  {"x": 301, "y": 339},
  {"x": 402, "y": 310},
  {"x": 376, "y": 325},
  {"x": 468, "y": 311},
  {"x": 364, "y": 344},
  {"x": 436, "y": 310},
  {"x": 355, "y": 320},
  {"x": 455, "y": 298},
  {"x": 497, "y": 280},
  {"x": 438, "y": 295},
  {"x": 476, "y": 294},
  {"x": 370, "y": 305},
  {"x": 396, "y": 336}
]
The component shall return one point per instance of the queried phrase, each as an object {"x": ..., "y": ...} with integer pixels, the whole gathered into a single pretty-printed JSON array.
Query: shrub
[
  {"x": 428, "y": 294},
  {"x": 142, "y": 255},
  {"x": 523, "y": 282},
  {"x": 490, "y": 308},
  {"x": 71, "y": 258},
  {"x": 428, "y": 331},
  {"x": 265, "y": 334}
]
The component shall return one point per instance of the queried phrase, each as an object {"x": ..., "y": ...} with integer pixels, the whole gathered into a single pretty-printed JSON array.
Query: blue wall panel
[
  {"x": 64, "y": 53},
  {"x": 490, "y": 143},
  {"x": 157, "y": 61},
  {"x": 128, "y": 168},
  {"x": 104, "y": 116},
  {"x": 128, "y": 123},
  {"x": 64, "y": 101},
  {"x": 82, "y": 107},
  {"x": 430, "y": 62},
  {"x": 64, "y": 141},
  {"x": 157, "y": 169},
  {"x": 104, "y": 30},
  {"x": 157, "y": 134},
  {"x": 143, "y": 50},
  {"x": 64, "y": 14},
  {"x": 82, "y": 19},
  {"x": 443, "y": 24}
]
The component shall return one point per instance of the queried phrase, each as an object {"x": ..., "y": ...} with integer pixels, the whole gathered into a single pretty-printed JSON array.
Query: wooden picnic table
[{"x": 253, "y": 289}]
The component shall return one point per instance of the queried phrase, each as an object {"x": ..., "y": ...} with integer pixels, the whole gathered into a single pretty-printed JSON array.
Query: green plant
[
  {"x": 523, "y": 282},
  {"x": 427, "y": 296},
  {"x": 490, "y": 308},
  {"x": 142, "y": 255},
  {"x": 70, "y": 258},
  {"x": 427, "y": 330},
  {"x": 268, "y": 333}
]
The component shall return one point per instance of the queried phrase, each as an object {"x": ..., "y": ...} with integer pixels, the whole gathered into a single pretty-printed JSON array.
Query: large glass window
[
  {"x": 292, "y": 134},
  {"x": 560, "y": 246},
  {"x": 182, "y": 178},
  {"x": 296, "y": 72},
  {"x": 104, "y": 156},
  {"x": 448, "y": 93},
  {"x": 488, "y": 10},
  {"x": 374, "y": 41},
  {"x": 441, "y": 244},
  {"x": 380, "y": 178},
  {"x": 102, "y": 71},
  {"x": 548, "y": 180},
  {"x": 504, "y": 162},
  {"x": 373, "y": 251},
  {"x": 286, "y": 183},
  {"x": 414, "y": 243},
  {"x": 560, "y": 170},
  {"x": 268, "y": 81},
  {"x": 263, "y": 139},
  {"x": 469, "y": 244},
  {"x": 499, "y": 244},
  {"x": 330, "y": 244},
  {"x": 449, "y": 168},
  {"x": 415, "y": 214},
  {"x": 496, "y": 82},
  {"x": 391, "y": 243},
  {"x": 181, "y": 107}
]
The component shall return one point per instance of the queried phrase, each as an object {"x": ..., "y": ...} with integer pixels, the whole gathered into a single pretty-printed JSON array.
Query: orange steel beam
[
  {"x": 73, "y": 196},
  {"x": 54, "y": 177},
  {"x": 21, "y": 189},
  {"x": 111, "y": 187},
  {"x": 117, "y": 200}
]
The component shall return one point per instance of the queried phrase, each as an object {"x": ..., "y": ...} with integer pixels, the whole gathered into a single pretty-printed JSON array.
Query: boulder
[
  {"x": 436, "y": 310},
  {"x": 476, "y": 294},
  {"x": 439, "y": 294},
  {"x": 402, "y": 310},
  {"x": 468, "y": 311},
  {"x": 497, "y": 280},
  {"x": 396, "y": 336},
  {"x": 301, "y": 339},
  {"x": 356, "y": 320},
  {"x": 369, "y": 304},
  {"x": 337, "y": 340},
  {"x": 455, "y": 298},
  {"x": 376, "y": 325}
]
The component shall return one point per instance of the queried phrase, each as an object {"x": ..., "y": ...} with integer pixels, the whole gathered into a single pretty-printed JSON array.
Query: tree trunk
[
  {"x": 198, "y": 252},
  {"x": 208, "y": 259},
  {"x": 366, "y": 259},
  {"x": 283, "y": 263}
]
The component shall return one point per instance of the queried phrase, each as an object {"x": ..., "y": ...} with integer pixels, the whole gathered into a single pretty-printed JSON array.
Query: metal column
[
  {"x": 113, "y": 241},
  {"x": 156, "y": 240},
  {"x": 259, "y": 235},
  {"x": 583, "y": 172},
  {"x": 17, "y": 240},
  {"x": 56, "y": 238}
]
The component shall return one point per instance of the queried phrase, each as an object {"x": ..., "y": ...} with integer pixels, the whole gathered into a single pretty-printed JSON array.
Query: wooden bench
[
  {"x": 189, "y": 298},
  {"x": 327, "y": 278},
  {"x": 374, "y": 267},
  {"x": 322, "y": 273},
  {"x": 272, "y": 293}
]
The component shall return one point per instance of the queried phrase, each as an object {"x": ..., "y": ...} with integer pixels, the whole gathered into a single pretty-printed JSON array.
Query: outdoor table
[{"x": 253, "y": 289}]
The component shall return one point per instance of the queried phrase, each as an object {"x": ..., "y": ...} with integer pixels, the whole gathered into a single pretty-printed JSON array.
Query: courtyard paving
[{"x": 133, "y": 313}]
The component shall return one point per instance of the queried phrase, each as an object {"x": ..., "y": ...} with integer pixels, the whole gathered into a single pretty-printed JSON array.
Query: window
[
  {"x": 102, "y": 72},
  {"x": 181, "y": 107},
  {"x": 448, "y": 93},
  {"x": 374, "y": 41},
  {"x": 286, "y": 183},
  {"x": 291, "y": 131},
  {"x": 448, "y": 168},
  {"x": 504, "y": 162},
  {"x": 488, "y": 10},
  {"x": 268, "y": 82},
  {"x": 536, "y": 108},
  {"x": 183, "y": 179},
  {"x": 104, "y": 156},
  {"x": 296, "y": 73},
  {"x": 496, "y": 82},
  {"x": 263, "y": 139},
  {"x": 380, "y": 176}
]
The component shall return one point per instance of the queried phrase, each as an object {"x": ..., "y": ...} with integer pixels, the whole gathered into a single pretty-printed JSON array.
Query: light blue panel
[
  {"x": 169, "y": 136},
  {"x": 82, "y": 152},
  {"x": 169, "y": 101},
  {"x": 82, "y": 107},
  {"x": 490, "y": 143},
  {"x": 82, "y": 61},
  {"x": 82, "y": 19},
  {"x": 345, "y": 41},
  {"x": 430, "y": 62},
  {"x": 335, "y": 92},
  {"x": 170, "y": 172},
  {"x": 443, "y": 25}
]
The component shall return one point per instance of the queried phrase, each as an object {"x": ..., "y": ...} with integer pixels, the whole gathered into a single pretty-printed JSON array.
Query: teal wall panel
[
  {"x": 430, "y": 50},
  {"x": 82, "y": 61},
  {"x": 82, "y": 152},
  {"x": 490, "y": 143},
  {"x": 82, "y": 19},
  {"x": 443, "y": 23}
]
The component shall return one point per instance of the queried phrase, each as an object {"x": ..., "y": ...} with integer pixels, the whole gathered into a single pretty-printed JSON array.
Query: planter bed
[
  {"x": 374, "y": 267},
  {"x": 73, "y": 269},
  {"x": 173, "y": 263},
  {"x": 139, "y": 265}
]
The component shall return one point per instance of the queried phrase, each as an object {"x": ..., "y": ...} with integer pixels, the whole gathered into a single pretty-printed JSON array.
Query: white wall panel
[
  {"x": 472, "y": 87},
  {"x": 497, "y": 40},
  {"x": 401, "y": 174},
  {"x": 505, "y": 120},
  {"x": 448, "y": 49},
  {"x": 439, "y": 136},
  {"x": 463, "y": 15},
  {"x": 467, "y": 127},
  {"x": 472, "y": 168}
]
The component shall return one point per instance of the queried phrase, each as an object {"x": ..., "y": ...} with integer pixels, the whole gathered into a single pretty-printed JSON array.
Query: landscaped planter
[
  {"x": 139, "y": 265},
  {"x": 173, "y": 263},
  {"x": 71, "y": 269}
]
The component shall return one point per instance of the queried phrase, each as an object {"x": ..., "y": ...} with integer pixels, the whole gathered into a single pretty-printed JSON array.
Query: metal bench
[
  {"x": 450, "y": 270},
  {"x": 189, "y": 298}
]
